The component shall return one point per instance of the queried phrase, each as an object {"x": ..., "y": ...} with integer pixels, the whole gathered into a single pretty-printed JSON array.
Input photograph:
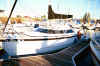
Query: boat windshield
[{"x": 53, "y": 31}]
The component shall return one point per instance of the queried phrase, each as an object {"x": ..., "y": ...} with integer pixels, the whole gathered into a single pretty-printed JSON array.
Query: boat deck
[{"x": 61, "y": 58}]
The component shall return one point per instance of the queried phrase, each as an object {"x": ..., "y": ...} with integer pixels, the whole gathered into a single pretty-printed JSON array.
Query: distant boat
[
  {"x": 91, "y": 27},
  {"x": 97, "y": 23}
]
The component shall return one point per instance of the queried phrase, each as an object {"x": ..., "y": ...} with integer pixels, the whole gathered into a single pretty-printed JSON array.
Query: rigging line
[
  {"x": 10, "y": 15},
  {"x": 88, "y": 6}
]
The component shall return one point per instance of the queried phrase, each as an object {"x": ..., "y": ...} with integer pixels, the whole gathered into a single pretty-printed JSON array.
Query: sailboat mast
[
  {"x": 49, "y": 2},
  {"x": 88, "y": 11},
  {"x": 10, "y": 15}
]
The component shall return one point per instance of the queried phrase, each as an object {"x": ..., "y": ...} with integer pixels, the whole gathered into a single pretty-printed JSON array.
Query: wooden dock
[{"x": 61, "y": 58}]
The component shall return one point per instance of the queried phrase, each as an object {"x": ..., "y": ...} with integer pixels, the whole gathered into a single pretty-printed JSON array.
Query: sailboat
[
  {"x": 95, "y": 50},
  {"x": 37, "y": 40}
]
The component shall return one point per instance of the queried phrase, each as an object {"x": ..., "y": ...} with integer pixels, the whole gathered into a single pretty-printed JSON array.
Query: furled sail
[{"x": 52, "y": 15}]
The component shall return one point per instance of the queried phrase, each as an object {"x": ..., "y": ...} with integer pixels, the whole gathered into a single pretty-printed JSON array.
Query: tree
[
  {"x": 3, "y": 19},
  {"x": 18, "y": 19}
]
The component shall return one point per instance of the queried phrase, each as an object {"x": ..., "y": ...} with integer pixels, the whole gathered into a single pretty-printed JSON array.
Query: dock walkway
[{"x": 61, "y": 58}]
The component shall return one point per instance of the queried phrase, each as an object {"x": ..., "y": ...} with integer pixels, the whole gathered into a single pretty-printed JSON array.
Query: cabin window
[
  {"x": 69, "y": 31},
  {"x": 53, "y": 31},
  {"x": 42, "y": 30}
]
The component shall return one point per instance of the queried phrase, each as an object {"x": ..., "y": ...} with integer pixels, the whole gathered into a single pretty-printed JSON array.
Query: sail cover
[{"x": 52, "y": 15}]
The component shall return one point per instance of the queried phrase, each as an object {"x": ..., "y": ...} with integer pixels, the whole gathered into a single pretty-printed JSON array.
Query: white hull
[
  {"x": 38, "y": 42},
  {"x": 91, "y": 27},
  {"x": 14, "y": 48},
  {"x": 95, "y": 49}
]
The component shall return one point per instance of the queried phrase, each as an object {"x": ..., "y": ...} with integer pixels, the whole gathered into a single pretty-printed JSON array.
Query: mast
[
  {"x": 10, "y": 15},
  {"x": 49, "y": 2},
  {"x": 88, "y": 13}
]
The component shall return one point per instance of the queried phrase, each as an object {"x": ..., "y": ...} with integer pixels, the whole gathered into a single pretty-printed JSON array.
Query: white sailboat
[
  {"x": 37, "y": 42},
  {"x": 25, "y": 40}
]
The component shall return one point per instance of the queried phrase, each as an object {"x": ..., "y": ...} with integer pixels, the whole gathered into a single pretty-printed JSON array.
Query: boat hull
[
  {"x": 21, "y": 47},
  {"x": 95, "y": 53}
]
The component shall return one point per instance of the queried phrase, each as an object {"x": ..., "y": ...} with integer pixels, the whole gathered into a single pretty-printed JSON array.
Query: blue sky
[{"x": 40, "y": 7}]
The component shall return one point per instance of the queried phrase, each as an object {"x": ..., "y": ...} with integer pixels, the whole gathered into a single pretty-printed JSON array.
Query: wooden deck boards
[{"x": 61, "y": 58}]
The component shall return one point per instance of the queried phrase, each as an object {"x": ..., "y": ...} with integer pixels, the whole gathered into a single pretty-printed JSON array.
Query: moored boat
[
  {"x": 39, "y": 40},
  {"x": 95, "y": 50}
]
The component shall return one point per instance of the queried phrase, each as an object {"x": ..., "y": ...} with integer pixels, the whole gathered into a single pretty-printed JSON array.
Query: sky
[{"x": 40, "y": 7}]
